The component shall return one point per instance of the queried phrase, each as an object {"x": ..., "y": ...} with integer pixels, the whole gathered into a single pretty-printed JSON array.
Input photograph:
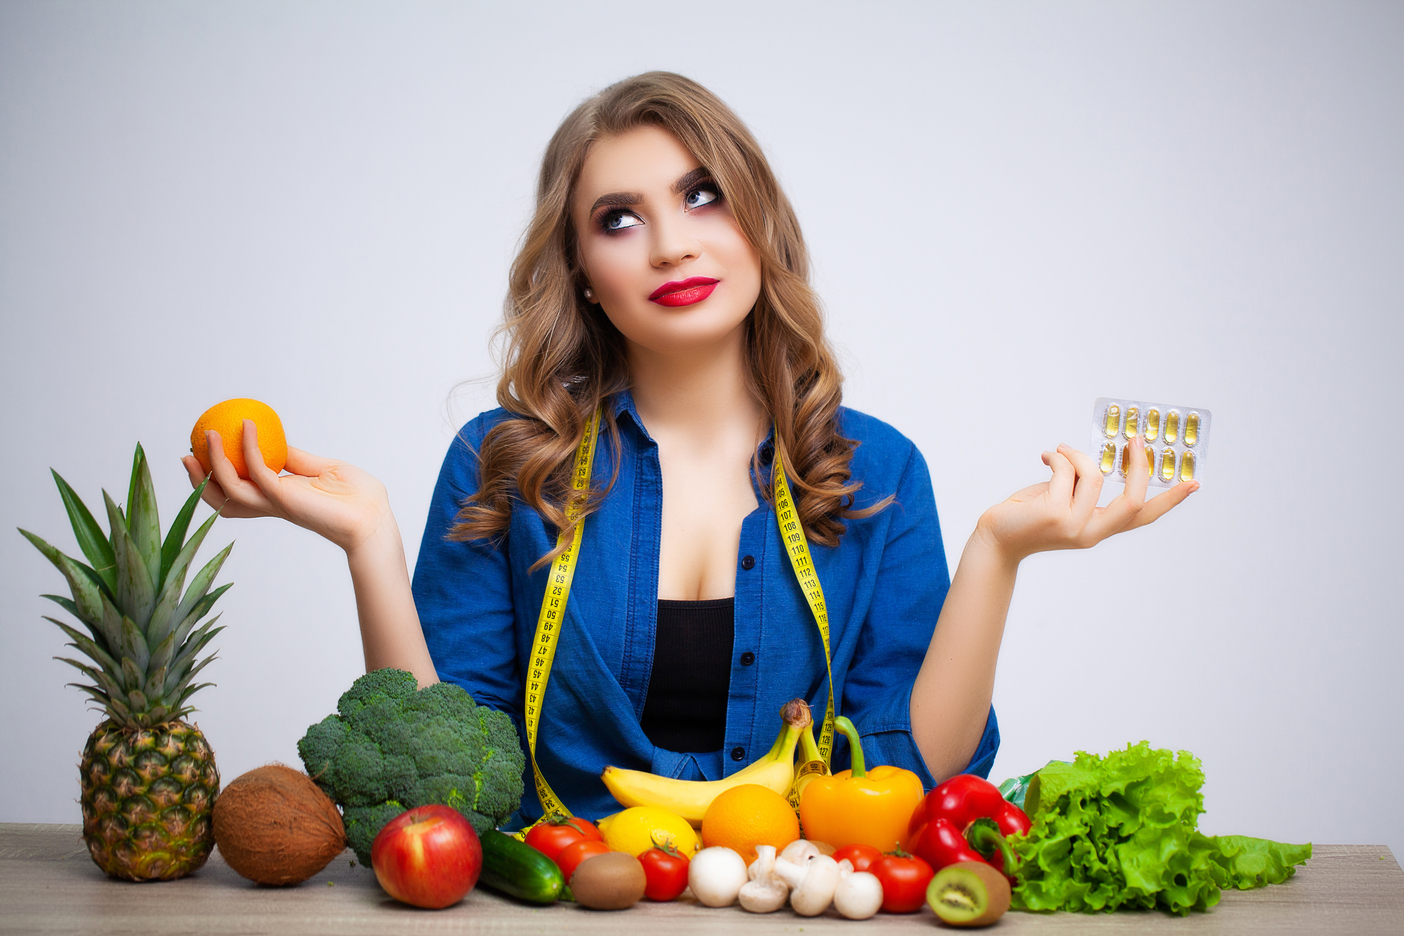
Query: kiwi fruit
[
  {"x": 969, "y": 893},
  {"x": 611, "y": 881}
]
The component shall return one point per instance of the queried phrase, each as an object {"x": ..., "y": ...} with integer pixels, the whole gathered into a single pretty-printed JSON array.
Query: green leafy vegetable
[
  {"x": 1121, "y": 831},
  {"x": 1247, "y": 862}
]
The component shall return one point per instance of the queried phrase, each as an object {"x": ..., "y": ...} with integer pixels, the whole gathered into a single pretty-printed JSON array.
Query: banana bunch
[{"x": 690, "y": 798}]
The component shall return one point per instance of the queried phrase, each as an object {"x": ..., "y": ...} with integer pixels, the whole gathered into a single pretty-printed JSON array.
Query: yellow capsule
[
  {"x": 1167, "y": 465},
  {"x": 1187, "y": 466},
  {"x": 1113, "y": 424},
  {"x": 1133, "y": 420},
  {"x": 1172, "y": 427},
  {"x": 1152, "y": 424},
  {"x": 1191, "y": 430},
  {"x": 1108, "y": 457},
  {"x": 1125, "y": 459},
  {"x": 1150, "y": 460}
]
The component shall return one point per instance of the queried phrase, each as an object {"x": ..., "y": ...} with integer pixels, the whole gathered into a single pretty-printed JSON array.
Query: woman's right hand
[{"x": 331, "y": 498}]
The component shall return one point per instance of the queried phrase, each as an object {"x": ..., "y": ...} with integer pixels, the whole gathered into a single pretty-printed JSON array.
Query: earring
[{"x": 589, "y": 294}]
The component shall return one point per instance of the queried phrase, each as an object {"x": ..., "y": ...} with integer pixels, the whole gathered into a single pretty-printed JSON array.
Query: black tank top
[{"x": 685, "y": 709}]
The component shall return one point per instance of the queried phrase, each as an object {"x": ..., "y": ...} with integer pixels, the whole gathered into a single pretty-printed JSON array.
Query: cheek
[
  {"x": 728, "y": 243},
  {"x": 743, "y": 263},
  {"x": 608, "y": 265}
]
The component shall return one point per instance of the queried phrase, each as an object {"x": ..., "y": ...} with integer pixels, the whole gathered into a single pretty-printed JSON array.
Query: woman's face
[{"x": 662, "y": 253}]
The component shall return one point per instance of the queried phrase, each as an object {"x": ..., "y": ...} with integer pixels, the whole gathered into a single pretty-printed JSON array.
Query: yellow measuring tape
[
  {"x": 553, "y": 605},
  {"x": 798, "y": 547}
]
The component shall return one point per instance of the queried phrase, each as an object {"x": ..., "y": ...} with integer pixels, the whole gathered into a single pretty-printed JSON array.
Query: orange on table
[
  {"x": 227, "y": 419},
  {"x": 749, "y": 815}
]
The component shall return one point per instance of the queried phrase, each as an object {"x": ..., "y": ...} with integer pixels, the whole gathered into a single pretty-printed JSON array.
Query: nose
[{"x": 672, "y": 243}]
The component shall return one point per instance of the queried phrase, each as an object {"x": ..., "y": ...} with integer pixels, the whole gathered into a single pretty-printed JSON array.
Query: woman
[{"x": 663, "y": 284}]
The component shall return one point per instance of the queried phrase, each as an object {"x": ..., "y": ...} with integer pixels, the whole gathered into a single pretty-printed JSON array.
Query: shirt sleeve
[
  {"x": 463, "y": 590},
  {"x": 910, "y": 589}
]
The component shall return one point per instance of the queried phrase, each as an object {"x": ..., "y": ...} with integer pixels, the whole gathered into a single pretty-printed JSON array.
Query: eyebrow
[
  {"x": 628, "y": 199},
  {"x": 616, "y": 200},
  {"x": 690, "y": 179}
]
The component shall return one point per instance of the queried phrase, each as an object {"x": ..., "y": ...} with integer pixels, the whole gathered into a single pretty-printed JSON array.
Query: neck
[{"x": 700, "y": 391}]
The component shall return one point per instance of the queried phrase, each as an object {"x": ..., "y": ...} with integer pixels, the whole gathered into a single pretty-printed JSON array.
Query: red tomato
[
  {"x": 666, "y": 871},
  {"x": 862, "y": 856},
  {"x": 554, "y": 834},
  {"x": 570, "y": 857},
  {"x": 904, "y": 878},
  {"x": 586, "y": 827}
]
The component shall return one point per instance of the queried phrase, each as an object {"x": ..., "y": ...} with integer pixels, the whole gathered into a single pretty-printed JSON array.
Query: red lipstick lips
[{"x": 685, "y": 292}]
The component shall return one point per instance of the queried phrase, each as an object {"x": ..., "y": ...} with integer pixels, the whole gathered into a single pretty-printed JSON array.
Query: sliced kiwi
[{"x": 970, "y": 893}]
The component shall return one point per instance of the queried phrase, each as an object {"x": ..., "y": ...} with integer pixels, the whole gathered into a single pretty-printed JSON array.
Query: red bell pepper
[
  {"x": 965, "y": 798},
  {"x": 941, "y": 845},
  {"x": 966, "y": 819}
]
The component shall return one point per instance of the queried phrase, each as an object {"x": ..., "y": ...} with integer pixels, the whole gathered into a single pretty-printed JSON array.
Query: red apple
[{"x": 428, "y": 857}]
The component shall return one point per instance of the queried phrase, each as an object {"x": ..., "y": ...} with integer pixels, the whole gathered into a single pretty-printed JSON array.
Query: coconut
[{"x": 274, "y": 825}]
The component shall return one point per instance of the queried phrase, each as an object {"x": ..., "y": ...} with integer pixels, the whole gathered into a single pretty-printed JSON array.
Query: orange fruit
[
  {"x": 227, "y": 419},
  {"x": 749, "y": 815}
]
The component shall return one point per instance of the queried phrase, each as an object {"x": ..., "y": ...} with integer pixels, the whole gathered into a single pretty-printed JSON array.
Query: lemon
[{"x": 635, "y": 829}]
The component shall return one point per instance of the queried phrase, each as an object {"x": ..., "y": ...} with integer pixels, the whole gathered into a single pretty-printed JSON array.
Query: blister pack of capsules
[{"x": 1176, "y": 439}]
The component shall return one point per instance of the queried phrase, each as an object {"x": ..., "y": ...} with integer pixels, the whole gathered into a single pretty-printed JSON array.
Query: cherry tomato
[
  {"x": 586, "y": 827},
  {"x": 666, "y": 871},
  {"x": 904, "y": 878},
  {"x": 555, "y": 833},
  {"x": 573, "y": 854},
  {"x": 862, "y": 856}
]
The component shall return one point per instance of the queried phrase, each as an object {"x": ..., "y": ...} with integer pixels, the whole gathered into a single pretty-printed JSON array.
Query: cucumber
[{"x": 516, "y": 869}]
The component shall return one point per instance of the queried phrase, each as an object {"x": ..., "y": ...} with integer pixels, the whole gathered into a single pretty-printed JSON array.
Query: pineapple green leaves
[{"x": 144, "y": 627}]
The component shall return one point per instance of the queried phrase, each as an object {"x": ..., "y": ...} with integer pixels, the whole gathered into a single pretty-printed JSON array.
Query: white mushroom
[
  {"x": 859, "y": 894},
  {"x": 812, "y": 884},
  {"x": 716, "y": 875},
  {"x": 766, "y": 891},
  {"x": 799, "y": 851}
]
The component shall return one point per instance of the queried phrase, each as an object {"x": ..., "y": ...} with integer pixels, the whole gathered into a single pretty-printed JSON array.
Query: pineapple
[{"x": 148, "y": 778}]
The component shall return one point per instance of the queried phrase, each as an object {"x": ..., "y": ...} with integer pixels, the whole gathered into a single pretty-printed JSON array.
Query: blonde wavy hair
[{"x": 562, "y": 358}]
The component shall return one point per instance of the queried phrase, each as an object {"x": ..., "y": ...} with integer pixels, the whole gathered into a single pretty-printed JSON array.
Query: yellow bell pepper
[{"x": 860, "y": 806}]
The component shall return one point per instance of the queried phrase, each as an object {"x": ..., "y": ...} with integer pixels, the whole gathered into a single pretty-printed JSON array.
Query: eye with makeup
[
  {"x": 704, "y": 194},
  {"x": 618, "y": 219},
  {"x": 614, "y": 220}
]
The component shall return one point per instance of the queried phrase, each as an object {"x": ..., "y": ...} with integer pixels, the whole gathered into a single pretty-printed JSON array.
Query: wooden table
[{"x": 48, "y": 884}]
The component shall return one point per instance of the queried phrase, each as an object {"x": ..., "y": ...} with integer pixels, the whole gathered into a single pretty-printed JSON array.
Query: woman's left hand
[{"x": 1062, "y": 513}]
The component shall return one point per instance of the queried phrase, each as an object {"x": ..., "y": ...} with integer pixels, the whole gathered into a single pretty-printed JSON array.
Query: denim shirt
[{"x": 883, "y": 585}]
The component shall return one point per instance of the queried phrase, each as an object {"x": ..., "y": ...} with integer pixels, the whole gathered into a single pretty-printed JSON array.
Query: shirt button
[
  {"x": 748, "y": 658},
  {"x": 748, "y": 562},
  {"x": 738, "y": 753}
]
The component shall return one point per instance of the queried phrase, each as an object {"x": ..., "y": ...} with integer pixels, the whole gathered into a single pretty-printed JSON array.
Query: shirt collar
[{"x": 623, "y": 403}]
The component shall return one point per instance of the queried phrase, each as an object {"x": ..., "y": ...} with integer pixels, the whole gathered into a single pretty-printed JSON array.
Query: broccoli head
[{"x": 392, "y": 746}]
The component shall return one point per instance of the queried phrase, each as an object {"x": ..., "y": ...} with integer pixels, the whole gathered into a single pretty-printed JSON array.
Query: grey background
[{"x": 1013, "y": 209}]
